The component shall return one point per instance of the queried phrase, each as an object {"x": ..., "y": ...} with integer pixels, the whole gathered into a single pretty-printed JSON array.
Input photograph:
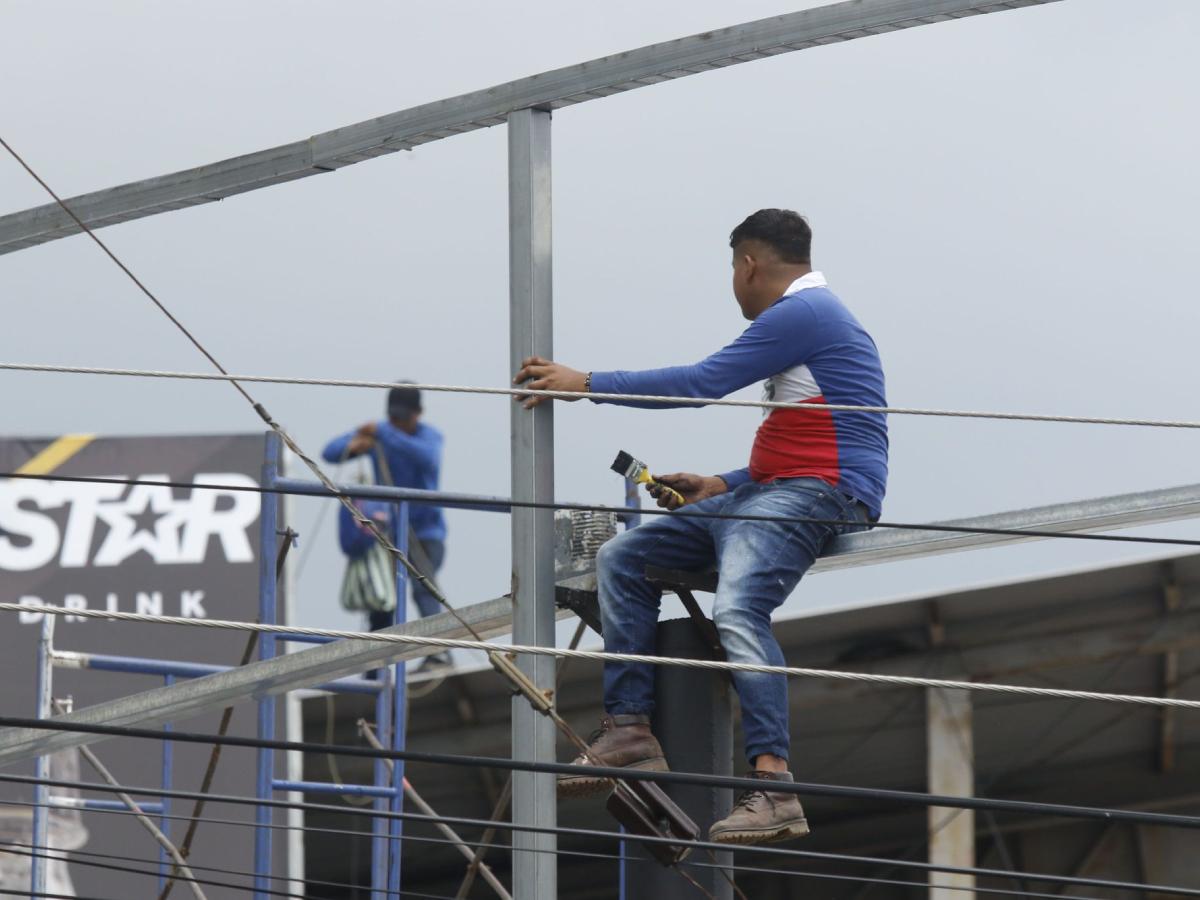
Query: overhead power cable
[
  {"x": 603, "y": 656},
  {"x": 687, "y": 778},
  {"x": 71, "y": 855},
  {"x": 591, "y": 854},
  {"x": 344, "y": 492},
  {"x": 46, "y": 895},
  {"x": 615, "y": 397},
  {"x": 60, "y": 856},
  {"x": 775, "y": 851}
]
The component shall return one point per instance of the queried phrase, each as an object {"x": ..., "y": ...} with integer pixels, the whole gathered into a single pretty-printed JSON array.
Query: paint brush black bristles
[{"x": 625, "y": 465}]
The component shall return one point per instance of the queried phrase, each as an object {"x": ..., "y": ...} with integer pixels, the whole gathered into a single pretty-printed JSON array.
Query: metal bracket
[
  {"x": 682, "y": 584},
  {"x": 643, "y": 808},
  {"x": 505, "y": 664}
]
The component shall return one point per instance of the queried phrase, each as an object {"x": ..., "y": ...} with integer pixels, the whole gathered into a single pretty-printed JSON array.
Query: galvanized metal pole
[
  {"x": 951, "y": 764},
  {"x": 531, "y": 334}
]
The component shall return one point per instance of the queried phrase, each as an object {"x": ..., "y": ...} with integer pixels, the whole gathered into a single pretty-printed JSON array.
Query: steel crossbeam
[{"x": 591, "y": 80}]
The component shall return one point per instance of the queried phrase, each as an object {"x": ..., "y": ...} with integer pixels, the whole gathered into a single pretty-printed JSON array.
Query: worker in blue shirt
[{"x": 405, "y": 452}]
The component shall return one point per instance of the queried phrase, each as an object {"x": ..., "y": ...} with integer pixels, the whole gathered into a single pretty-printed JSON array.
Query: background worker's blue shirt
[
  {"x": 354, "y": 538},
  {"x": 413, "y": 461}
]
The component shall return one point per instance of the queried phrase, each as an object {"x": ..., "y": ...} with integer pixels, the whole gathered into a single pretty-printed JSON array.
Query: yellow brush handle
[{"x": 647, "y": 478}]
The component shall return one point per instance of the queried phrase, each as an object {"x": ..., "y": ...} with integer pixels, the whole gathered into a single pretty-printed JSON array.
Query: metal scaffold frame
[
  {"x": 525, "y": 106},
  {"x": 388, "y": 687}
]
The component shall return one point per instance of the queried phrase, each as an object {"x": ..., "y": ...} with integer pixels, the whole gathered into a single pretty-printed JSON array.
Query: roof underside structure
[{"x": 1106, "y": 629}]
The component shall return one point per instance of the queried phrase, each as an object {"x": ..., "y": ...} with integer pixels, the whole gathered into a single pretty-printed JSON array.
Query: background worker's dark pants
[{"x": 426, "y": 604}]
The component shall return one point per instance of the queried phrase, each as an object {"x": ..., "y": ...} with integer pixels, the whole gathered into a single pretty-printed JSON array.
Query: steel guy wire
[
  {"x": 600, "y": 655},
  {"x": 364, "y": 521},
  {"x": 462, "y": 760},
  {"x": 46, "y": 895},
  {"x": 619, "y": 836},
  {"x": 502, "y": 666},
  {"x": 343, "y": 492},
  {"x": 60, "y": 856},
  {"x": 69, "y": 856},
  {"x": 616, "y": 397},
  {"x": 736, "y": 868}
]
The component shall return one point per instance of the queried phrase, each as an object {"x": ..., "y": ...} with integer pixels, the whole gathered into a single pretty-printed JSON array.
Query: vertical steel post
[
  {"x": 164, "y": 823},
  {"x": 38, "y": 865},
  {"x": 693, "y": 720},
  {"x": 268, "y": 526},
  {"x": 950, "y": 757},
  {"x": 531, "y": 334},
  {"x": 399, "y": 709}
]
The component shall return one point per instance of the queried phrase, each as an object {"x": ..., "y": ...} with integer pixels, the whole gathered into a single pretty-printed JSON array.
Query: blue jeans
[{"x": 760, "y": 564}]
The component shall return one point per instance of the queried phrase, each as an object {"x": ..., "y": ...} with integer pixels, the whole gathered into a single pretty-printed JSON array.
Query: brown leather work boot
[
  {"x": 762, "y": 816},
  {"x": 620, "y": 741}
]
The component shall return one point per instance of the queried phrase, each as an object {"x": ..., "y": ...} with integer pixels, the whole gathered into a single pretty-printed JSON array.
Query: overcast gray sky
[{"x": 1007, "y": 202}]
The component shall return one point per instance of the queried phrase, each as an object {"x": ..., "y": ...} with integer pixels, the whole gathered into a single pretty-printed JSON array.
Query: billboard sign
[{"x": 188, "y": 551}]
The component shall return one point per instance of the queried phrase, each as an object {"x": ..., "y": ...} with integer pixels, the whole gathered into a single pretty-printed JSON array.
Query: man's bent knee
[{"x": 615, "y": 555}]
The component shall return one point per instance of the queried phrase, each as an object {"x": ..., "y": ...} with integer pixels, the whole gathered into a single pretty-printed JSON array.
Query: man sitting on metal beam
[{"x": 818, "y": 464}]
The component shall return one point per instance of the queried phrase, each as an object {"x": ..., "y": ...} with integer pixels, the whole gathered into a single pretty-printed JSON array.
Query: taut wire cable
[
  {"x": 601, "y": 656},
  {"x": 593, "y": 395},
  {"x": 341, "y": 493},
  {"x": 779, "y": 852},
  {"x": 459, "y": 760},
  {"x": 591, "y": 854},
  {"x": 69, "y": 856},
  {"x": 737, "y": 869}
]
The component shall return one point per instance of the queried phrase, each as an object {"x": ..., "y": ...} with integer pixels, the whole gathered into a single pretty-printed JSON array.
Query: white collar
[{"x": 811, "y": 280}]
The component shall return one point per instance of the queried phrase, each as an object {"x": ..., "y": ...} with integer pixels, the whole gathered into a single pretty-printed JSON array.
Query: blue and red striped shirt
[{"x": 807, "y": 348}]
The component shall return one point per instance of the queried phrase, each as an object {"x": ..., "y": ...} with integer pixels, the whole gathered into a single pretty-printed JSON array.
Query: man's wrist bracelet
[{"x": 587, "y": 383}]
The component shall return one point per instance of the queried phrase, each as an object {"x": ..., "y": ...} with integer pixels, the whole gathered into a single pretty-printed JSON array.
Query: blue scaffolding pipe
[
  {"x": 150, "y": 809},
  {"x": 138, "y": 665},
  {"x": 399, "y": 709},
  {"x": 268, "y": 525},
  {"x": 379, "y": 827},
  {"x": 164, "y": 823},
  {"x": 477, "y": 502},
  {"x": 327, "y": 787},
  {"x": 389, "y": 690},
  {"x": 306, "y": 638}
]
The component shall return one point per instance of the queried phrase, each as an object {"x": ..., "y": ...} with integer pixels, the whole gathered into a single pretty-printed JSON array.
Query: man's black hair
[
  {"x": 403, "y": 401},
  {"x": 784, "y": 231}
]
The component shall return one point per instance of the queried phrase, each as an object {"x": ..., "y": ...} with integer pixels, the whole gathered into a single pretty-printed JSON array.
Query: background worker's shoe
[
  {"x": 620, "y": 741},
  {"x": 762, "y": 816}
]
